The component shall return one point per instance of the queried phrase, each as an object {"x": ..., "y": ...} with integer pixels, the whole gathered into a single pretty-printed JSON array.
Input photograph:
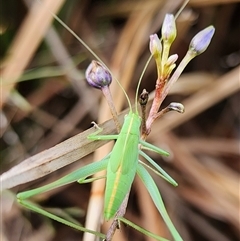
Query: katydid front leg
[{"x": 95, "y": 135}]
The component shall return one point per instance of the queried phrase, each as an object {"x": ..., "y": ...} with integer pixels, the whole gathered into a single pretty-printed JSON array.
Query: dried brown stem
[
  {"x": 143, "y": 99},
  {"x": 115, "y": 224}
]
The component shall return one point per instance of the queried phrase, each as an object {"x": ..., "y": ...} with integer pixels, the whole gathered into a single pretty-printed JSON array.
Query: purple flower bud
[
  {"x": 201, "y": 40},
  {"x": 169, "y": 30},
  {"x": 97, "y": 75},
  {"x": 155, "y": 45}
]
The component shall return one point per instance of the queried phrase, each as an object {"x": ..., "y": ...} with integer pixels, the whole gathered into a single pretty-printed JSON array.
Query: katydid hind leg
[
  {"x": 74, "y": 176},
  {"x": 82, "y": 172},
  {"x": 35, "y": 208}
]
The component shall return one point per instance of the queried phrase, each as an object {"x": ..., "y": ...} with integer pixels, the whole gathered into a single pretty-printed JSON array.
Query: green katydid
[
  {"x": 123, "y": 161},
  {"x": 121, "y": 170},
  {"x": 122, "y": 164}
]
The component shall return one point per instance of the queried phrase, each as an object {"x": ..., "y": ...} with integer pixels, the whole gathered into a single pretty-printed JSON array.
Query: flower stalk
[
  {"x": 165, "y": 64},
  {"x": 99, "y": 77}
]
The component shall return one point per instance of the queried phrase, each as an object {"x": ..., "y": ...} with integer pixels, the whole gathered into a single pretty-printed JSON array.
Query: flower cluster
[{"x": 160, "y": 48}]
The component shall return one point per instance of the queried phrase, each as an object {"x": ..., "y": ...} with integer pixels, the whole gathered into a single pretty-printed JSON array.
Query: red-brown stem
[{"x": 160, "y": 95}]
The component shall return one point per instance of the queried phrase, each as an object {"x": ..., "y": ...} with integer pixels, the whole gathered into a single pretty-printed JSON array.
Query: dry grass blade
[
  {"x": 54, "y": 158},
  {"x": 26, "y": 42},
  {"x": 202, "y": 3},
  {"x": 211, "y": 183}
]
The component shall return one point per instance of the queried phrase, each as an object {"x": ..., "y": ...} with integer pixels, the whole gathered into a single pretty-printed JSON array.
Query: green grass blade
[
  {"x": 157, "y": 199},
  {"x": 142, "y": 230}
]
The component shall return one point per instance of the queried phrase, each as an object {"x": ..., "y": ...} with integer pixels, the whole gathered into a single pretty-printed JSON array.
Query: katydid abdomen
[{"x": 122, "y": 165}]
